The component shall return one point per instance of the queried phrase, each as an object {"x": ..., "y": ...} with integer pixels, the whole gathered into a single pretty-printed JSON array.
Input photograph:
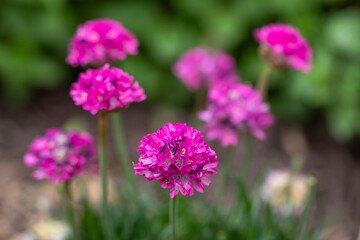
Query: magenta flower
[
  {"x": 199, "y": 68},
  {"x": 178, "y": 157},
  {"x": 105, "y": 89},
  {"x": 101, "y": 41},
  {"x": 232, "y": 108},
  {"x": 283, "y": 46},
  {"x": 61, "y": 156}
]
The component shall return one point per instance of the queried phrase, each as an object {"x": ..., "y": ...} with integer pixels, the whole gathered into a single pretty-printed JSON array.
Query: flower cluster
[
  {"x": 105, "y": 89},
  {"x": 233, "y": 107},
  {"x": 199, "y": 68},
  {"x": 100, "y": 41},
  {"x": 283, "y": 46},
  {"x": 61, "y": 156},
  {"x": 178, "y": 157},
  {"x": 286, "y": 192}
]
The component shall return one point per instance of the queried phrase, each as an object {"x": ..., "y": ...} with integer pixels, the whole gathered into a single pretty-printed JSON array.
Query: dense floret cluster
[
  {"x": 178, "y": 157},
  {"x": 61, "y": 156},
  {"x": 101, "y": 41},
  {"x": 234, "y": 107}
]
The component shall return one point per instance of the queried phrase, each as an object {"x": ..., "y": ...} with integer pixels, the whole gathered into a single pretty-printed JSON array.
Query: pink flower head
[
  {"x": 105, "y": 89},
  {"x": 286, "y": 45},
  {"x": 100, "y": 41},
  {"x": 233, "y": 107},
  {"x": 199, "y": 68},
  {"x": 178, "y": 157},
  {"x": 61, "y": 156}
]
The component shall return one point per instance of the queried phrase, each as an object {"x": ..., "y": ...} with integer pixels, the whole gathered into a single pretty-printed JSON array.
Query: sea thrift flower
[
  {"x": 199, "y": 68},
  {"x": 286, "y": 192},
  {"x": 283, "y": 46},
  {"x": 100, "y": 41},
  {"x": 178, "y": 157},
  {"x": 105, "y": 89},
  {"x": 232, "y": 108},
  {"x": 61, "y": 156}
]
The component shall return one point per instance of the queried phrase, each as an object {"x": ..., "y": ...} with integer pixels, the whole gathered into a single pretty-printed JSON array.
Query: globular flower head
[
  {"x": 286, "y": 192},
  {"x": 105, "y": 89},
  {"x": 101, "y": 41},
  {"x": 61, "y": 156},
  {"x": 234, "y": 107},
  {"x": 283, "y": 46},
  {"x": 178, "y": 157},
  {"x": 200, "y": 68}
]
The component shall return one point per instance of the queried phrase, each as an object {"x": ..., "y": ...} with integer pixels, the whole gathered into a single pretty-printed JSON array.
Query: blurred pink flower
[
  {"x": 101, "y": 41},
  {"x": 178, "y": 157},
  {"x": 234, "y": 107},
  {"x": 199, "y": 68},
  {"x": 286, "y": 45},
  {"x": 105, "y": 89},
  {"x": 61, "y": 156}
]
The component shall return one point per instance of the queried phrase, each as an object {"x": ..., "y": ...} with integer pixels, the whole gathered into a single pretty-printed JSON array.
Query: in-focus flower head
[
  {"x": 101, "y": 41},
  {"x": 286, "y": 192},
  {"x": 200, "y": 68},
  {"x": 105, "y": 89},
  {"x": 178, "y": 157},
  {"x": 232, "y": 108},
  {"x": 61, "y": 156},
  {"x": 283, "y": 46}
]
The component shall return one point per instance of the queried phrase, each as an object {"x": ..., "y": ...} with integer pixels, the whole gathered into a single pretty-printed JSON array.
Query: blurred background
[{"x": 317, "y": 115}]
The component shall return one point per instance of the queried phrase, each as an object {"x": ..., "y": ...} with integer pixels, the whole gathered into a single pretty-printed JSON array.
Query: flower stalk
[
  {"x": 246, "y": 165},
  {"x": 263, "y": 81},
  {"x": 230, "y": 153},
  {"x": 69, "y": 209},
  {"x": 123, "y": 156},
  {"x": 103, "y": 124},
  {"x": 173, "y": 216}
]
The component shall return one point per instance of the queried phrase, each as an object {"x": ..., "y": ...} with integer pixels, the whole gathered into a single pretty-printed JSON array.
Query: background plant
[{"x": 35, "y": 34}]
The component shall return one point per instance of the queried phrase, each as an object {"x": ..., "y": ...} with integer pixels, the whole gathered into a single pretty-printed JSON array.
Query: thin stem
[
  {"x": 306, "y": 215},
  {"x": 103, "y": 121},
  {"x": 262, "y": 84},
  {"x": 69, "y": 209},
  {"x": 246, "y": 164},
  {"x": 230, "y": 152},
  {"x": 123, "y": 157},
  {"x": 173, "y": 217}
]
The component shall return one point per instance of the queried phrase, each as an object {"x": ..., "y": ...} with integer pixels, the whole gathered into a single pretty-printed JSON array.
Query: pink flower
[
  {"x": 287, "y": 46},
  {"x": 178, "y": 157},
  {"x": 100, "y": 41},
  {"x": 105, "y": 89},
  {"x": 199, "y": 68},
  {"x": 231, "y": 108},
  {"x": 61, "y": 156}
]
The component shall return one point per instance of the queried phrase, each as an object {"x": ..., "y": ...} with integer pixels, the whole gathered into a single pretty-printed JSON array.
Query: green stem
[
  {"x": 69, "y": 209},
  {"x": 306, "y": 215},
  {"x": 230, "y": 152},
  {"x": 103, "y": 121},
  {"x": 117, "y": 127},
  {"x": 246, "y": 164},
  {"x": 173, "y": 217},
  {"x": 262, "y": 84}
]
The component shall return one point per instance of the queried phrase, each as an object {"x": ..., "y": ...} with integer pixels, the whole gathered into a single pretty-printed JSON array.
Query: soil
[{"x": 24, "y": 201}]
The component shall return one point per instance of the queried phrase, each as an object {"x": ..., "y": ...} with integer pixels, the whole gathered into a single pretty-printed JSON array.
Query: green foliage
[
  {"x": 145, "y": 216},
  {"x": 34, "y": 35}
]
